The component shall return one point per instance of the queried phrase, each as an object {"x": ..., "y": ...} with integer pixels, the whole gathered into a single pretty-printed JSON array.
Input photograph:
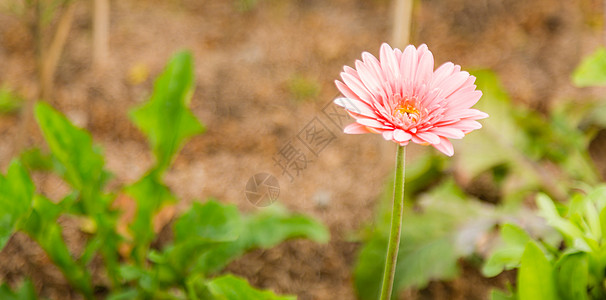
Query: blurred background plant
[{"x": 206, "y": 237}]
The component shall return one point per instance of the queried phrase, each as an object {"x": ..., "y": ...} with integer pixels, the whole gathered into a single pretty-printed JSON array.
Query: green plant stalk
[{"x": 396, "y": 225}]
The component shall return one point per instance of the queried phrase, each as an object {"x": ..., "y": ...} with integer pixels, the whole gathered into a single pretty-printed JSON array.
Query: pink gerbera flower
[{"x": 401, "y": 97}]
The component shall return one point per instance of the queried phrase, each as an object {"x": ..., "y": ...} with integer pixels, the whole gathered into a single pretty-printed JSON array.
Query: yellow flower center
[{"x": 408, "y": 111}]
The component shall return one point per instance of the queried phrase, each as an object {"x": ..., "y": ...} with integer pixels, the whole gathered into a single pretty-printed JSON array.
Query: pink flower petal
[
  {"x": 402, "y": 98},
  {"x": 429, "y": 137},
  {"x": 441, "y": 73},
  {"x": 408, "y": 63},
  {"x": 445, "y": 146},
  {"x": 453, "y": 83},
  {"x": 355, "y": 106},
  {"x": 370, "y": 80},
  {"x": 448, "y": 132},
  {"x": 468, "y": 113},
  {"x": 466, "y": 125},
  {"x": 425, "y": 67},
  {"x": 357, "y": 87},
  {"x": 463, "y": 100},
  {"x": 355, "y": 128},
  {"x": 348, "y": 93},
  {"x": 400, "y": 135},
  {"x": 388, "y": 135},
  {"x": 371, "y": 123}
]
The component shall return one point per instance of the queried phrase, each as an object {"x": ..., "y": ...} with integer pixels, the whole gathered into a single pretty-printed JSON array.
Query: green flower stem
[{"x": 396, "y": 225}]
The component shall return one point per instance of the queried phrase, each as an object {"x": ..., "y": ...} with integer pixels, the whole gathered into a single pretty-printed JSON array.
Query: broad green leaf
[
  {"x": 211, "y": 221},
  {"x": 535, "y": 276},
  {"x": 592, "y": 70},
  {"x": 263, "y": 230},
  {"x": 229, "y": 287},
  {"x": 81, "y": 163},
  {"x": 166, "y": 119},
  {"x": 572, "y": 272},
  {"x": 273, "y": 225},
  {"x": 16, "y": 194},
  {"x": 507, "y": 256},
  {"x": 43, "y": 228},
  {"x": 27, "y": 291}
]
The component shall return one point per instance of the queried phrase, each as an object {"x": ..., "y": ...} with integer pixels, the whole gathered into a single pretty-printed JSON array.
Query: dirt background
[{"x": 245, "y": 62}]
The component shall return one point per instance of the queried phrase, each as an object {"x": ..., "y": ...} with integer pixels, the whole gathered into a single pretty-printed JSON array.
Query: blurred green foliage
[
  {"x": 592, "y": 70},
  {"x": 10, "y": 101},
  {"x": 550, "y": 270},
  {"x": 303, "y": 88},
  {"x": 206, "y": 237}
]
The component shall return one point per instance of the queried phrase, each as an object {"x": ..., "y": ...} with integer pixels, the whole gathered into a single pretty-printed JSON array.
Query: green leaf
[
  {"x": 211, "y": 221},
  {"x": 16, "y": 194},
  {"x": 34, "y": 159},
  {"x": 81, "y": 162},
  {"x": 535, "y": 276},
  {"x": 43, "y": 228},
  {"x": 27, "y": 291},
  {"x": 273, "y": 225},
  {"x": 9, "y": 100},
  {"x": 548, "y": 211},
  {"x": 500, "y": 295},
  {"x": 166, "y": 119},
  {"x": 150, "y": 195},
  {"x": 508, "y": 256},
  {"x": 572, "y": 275},
  {"x": 592, "y": 70},
  {"x": 229, "y": 287},
  {"x": 263, "y": 230}
]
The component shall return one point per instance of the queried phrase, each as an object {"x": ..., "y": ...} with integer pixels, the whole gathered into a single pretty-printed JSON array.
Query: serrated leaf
[
  {"x": 230, "y": 287},
  {"x": 592, "y": 70},
  {"x": 166, "y": 119},
  {"x": 572, "y": 272},
  {"x": 535, "y": 276},
  {"x": 16, "y": 195},
  {"x": 81, "y": 162}
]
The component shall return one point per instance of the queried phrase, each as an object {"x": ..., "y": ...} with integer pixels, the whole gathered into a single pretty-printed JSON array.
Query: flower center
[{"x": 405, "y": 111}]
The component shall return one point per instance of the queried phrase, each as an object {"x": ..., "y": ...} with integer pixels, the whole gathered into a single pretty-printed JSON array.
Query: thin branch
[
  {"x": 402, "y": 19},
  {"x": 100, "y": 33}
]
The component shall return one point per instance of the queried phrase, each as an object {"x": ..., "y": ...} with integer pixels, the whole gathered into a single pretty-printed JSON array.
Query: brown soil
[{"x": 244, "y": 63}]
